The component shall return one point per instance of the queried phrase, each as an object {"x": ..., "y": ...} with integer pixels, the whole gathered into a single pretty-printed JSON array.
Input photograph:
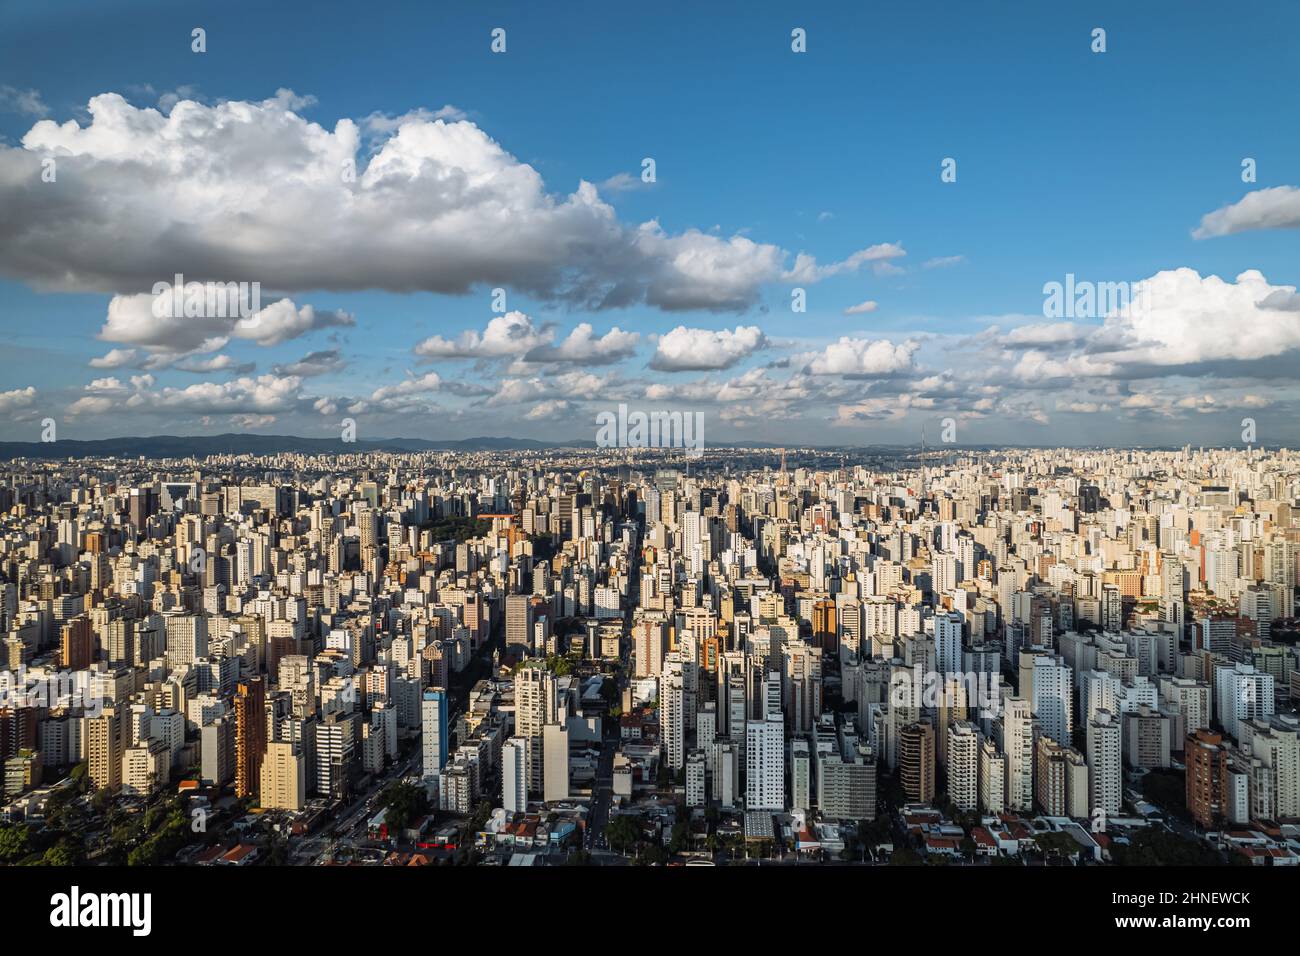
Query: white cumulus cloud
[{"x": 684, "y": 349}]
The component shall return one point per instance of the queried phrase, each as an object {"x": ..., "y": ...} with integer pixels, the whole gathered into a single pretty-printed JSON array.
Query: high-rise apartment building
[
  {"x": 514, "y": 775},
  {"x": 433, "y": 730},
  {"x": 284, "y": 777},
  {"x": 1206, "y": 757},
  {"x": 250, "y": 735},
  {"x": 535, "y": 707},
  {"x": 104, "y": 749},
  {"x": 963, "y": 765},
  {"x": 916, "y": 761},
  {"x": 993, "y": 778},
  {"x": 765, "y": 763},
  {"x": 1105, "y": 767}
]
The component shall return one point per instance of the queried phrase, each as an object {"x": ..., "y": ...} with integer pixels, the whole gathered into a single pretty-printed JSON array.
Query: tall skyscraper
[
  {"x": 77, "y": 644},
  {"x": 1105, "y": 768},
  {"x": 337, "y": 743},
  {"x": 217, "y": 751},
  {"x": 947, "y": 643},
  {"x": 672, "y": 722},
  {"x": 519, "y": 623},
  {"x": 433, "y": 730},
  {"x": 1053, "y": 698},
  {"x": 916, "y": 761},
  {"x": 104, "y": 749},
  {"x": 993, "y": 778},
  {"x": 1018, "y": 732},
  {"x": 963, "y": 765},
  {"x": 142, "y": 503},
  {"x": 801, "y": 682},
  {"x": 535, "y": 707},
  {"x": 765, "y": 763},
  {"x": 250, "y": 735},
  {"x": 514, "y": 775},
  {"x": 1207, "y": 770}
]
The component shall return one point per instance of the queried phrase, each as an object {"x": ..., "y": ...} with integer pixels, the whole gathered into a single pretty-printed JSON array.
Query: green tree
[
  {"x": 559, "y": 665},
  {"x": 1056, "y": 844},
  {"x": 680, "y": 834},
  {"x": 1167, "y": 789},
  {"x": 623, "y": 834},
  {"x": 14, "y": 842},
  {"x": 457, "y": 527},
  {"x": 1155, "y": 847},
  {"x": 405, "y": 803},
  {"x": 651, "y": 854},
  {"x": 65, "y": 852}
]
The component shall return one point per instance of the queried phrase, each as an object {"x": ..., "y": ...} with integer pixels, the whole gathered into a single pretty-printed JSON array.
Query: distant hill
[{"x": 199, "y": 446}]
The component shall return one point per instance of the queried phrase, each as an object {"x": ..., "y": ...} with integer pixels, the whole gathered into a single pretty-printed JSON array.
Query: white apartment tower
[
  {"x": 1242, "y": 693},
  {"x": 993, "y": 778},
  {"x": 672, "y": 706},
  {"x": 765, "y": 763},
  {"x": 947, "y": 643},
  {"x": 1105, "y": 770},
  {"x": 514, "y": 775},
  {"x": 1018, "y": 749},
  {"x": 1053, "y": 698},
  {"x": 963, "y": 764}
]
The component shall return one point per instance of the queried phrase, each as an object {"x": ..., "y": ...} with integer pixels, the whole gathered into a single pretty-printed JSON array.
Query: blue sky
[{"x": 1068, "y": 161}]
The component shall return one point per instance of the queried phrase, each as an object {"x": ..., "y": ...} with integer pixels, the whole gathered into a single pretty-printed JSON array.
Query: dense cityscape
[
  {"x": 486, "y": 466},
  {"x": 642, "y": 657}
]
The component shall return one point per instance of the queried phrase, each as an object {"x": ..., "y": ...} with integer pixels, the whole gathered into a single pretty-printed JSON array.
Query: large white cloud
[
  {"x": 251, "y": 191},
  {"x": 153, "y": 322},
  {"x": 863, "y": 357},
  {"x": 264, "y": 394},
  {"x": 685, "y": 349},
  {"x": 16, "y": 399},
  {"x": 115, "y": 358},
  {"x": 1181, "y": 318},
  {"x": 506, "y": 336},
  {"x": 429, "y": 382},
  {"x": 575, "y": 385},
  {"x": 551, "y": 408},
  {"x": 282, "y": 320},
  {"x": 1036, "y": 366},
  {"x": 1178, "y": 322},
  {"x": 583, "y": 346}
]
